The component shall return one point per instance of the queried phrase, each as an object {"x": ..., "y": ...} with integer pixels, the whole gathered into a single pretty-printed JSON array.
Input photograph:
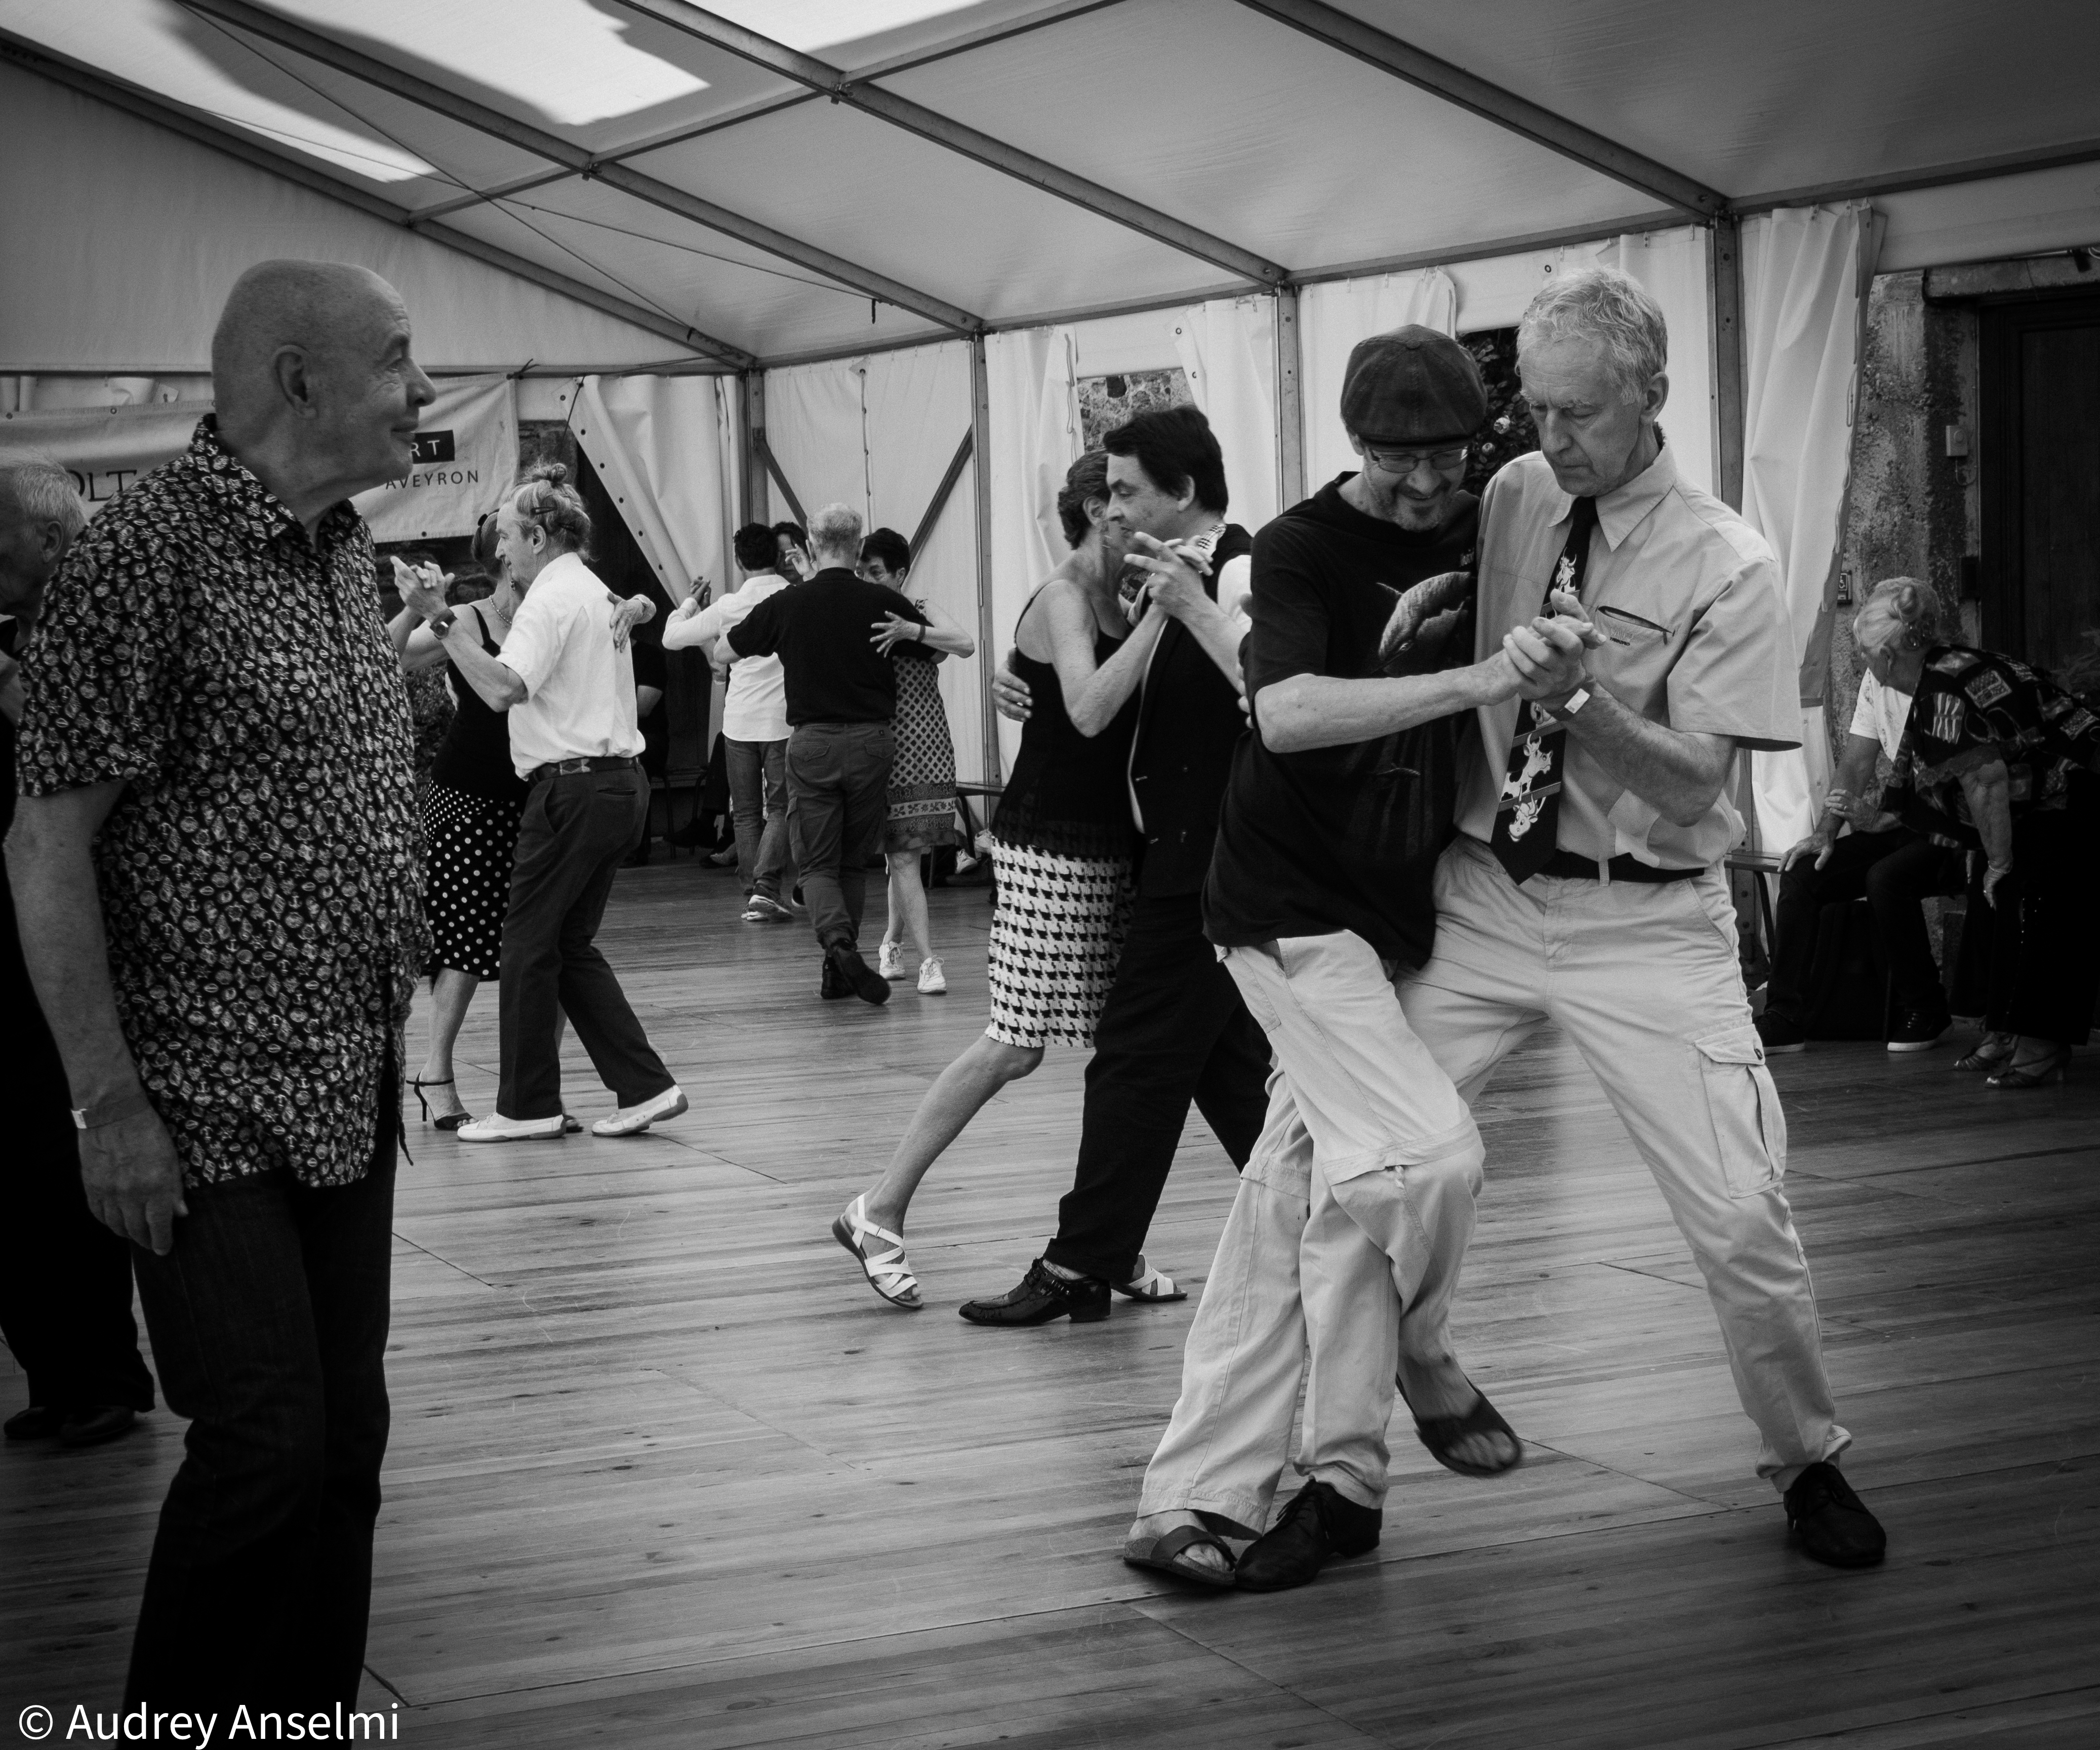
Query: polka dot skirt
[{"x": 471, "y": 841}]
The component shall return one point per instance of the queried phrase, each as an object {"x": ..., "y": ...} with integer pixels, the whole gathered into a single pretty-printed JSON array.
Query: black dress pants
[
  {"x": 1896, "y": 871},
  {"x": 65, "y": 1279},
  {"x": 1174, "y": 1029},
  {"x": 2044, "y": 959},
  {"x": 578, "y": 826},
  {"x": 268, "y": 1319}
]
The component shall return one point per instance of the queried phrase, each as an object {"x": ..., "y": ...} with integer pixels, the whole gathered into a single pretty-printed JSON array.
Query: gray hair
[
  {"x": 1898, "y": 610},
  {"x": 1607, "y": 306},
  {"x": 836, "y": 529},
  {"x": 40, "y": 490}
]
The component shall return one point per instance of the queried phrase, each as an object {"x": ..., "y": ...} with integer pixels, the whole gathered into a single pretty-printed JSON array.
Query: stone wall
[{"x": 1914, "y": 509}]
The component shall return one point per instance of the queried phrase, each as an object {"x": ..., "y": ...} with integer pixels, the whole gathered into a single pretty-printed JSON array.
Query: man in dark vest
[{"x": 1175, "y": 1028}]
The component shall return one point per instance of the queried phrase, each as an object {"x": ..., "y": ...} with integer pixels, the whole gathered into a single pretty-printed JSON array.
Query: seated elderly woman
[
  {"x": 1895, "y": 869},
  {"x": 1998, "y": 758}
]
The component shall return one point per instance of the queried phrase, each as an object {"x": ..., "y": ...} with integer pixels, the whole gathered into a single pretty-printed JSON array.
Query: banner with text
[{"x": 466, "y": 451}]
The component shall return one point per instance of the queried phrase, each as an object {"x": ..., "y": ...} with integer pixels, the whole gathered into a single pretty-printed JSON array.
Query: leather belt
[
  {"x": 562, "y": 768},
  {"x": 1624, "y": 867}
]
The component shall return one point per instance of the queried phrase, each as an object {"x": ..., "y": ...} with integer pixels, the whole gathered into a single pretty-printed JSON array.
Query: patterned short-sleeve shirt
[
  {"x": 260, "y": 875},
  {"x": 1975, "y": 706}
]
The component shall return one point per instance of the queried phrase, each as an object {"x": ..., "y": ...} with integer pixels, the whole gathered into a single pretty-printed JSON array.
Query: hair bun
[{"x": 554, "y": 473}]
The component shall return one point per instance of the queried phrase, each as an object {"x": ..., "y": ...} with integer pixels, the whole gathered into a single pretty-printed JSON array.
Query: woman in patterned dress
[
  {"x": 1062, "y": 845},
  {"x": 922, "y": 777},
  {"x": 472, "y": 803}
]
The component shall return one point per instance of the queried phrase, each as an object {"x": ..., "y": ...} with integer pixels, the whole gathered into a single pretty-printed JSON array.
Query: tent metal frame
[
  {"x": 148, "y": 108},
  {"x": 340, "y": 58},
  {"x": 861, "y": 94}
]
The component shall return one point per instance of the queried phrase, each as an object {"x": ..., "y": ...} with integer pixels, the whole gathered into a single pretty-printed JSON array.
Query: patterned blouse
[
  {"x": 260, "y": 875},
  {"x": 1974, "y": 706}
]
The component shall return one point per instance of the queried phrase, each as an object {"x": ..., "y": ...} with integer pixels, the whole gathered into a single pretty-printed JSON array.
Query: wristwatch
[
  {"x": 112, "y": 1111},
  {"x": 1573, "y": 703},
  {"x": 442, "y": 624}
]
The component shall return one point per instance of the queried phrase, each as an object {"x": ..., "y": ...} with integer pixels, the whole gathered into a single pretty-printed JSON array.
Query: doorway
[{"x": 2038, "y": 399}]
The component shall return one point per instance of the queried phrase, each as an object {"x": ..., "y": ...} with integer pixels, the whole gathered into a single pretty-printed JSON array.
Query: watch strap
[{"x": 112, "y": 1111}]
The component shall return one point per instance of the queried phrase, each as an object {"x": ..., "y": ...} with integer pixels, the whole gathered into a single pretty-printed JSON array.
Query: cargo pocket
[{"x": 1749, "y": 1129}]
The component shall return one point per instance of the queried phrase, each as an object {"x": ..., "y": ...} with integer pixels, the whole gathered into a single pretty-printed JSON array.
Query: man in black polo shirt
[
  {"x": 1174, "y": 1029},
  {"x": 1367, "y": 1169},
  {"x": 841, "y": 695}
]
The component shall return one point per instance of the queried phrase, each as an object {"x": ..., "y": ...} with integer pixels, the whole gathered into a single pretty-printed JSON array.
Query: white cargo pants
[
  {"x": 1644, "y": 980},
  {"x": 1364, "y": 1181}
]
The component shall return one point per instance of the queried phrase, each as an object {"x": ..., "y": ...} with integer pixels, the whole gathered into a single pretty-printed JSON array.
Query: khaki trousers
[
  {"x": 1644, "y": 980},
  {"x": 1364, "y": 1181}
]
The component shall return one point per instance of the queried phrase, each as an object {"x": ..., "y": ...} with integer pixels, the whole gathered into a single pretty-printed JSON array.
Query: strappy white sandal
[
  {"x": 1150, "y": 1284},
  {"x": 889, "y": 1274}
]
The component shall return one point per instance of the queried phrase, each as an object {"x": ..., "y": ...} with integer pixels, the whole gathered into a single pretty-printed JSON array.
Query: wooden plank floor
[{"x": 664, "y": 1472}]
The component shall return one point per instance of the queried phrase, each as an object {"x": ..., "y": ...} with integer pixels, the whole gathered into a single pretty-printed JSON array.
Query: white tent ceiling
[{"x": 617, "y": 149}]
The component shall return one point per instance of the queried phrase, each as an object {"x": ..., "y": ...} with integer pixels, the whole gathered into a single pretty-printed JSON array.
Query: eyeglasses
[{"x": 1407, "y": 460}]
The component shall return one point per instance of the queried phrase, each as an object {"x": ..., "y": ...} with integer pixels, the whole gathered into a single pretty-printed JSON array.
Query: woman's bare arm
[{"x": 1092, "y": 695}]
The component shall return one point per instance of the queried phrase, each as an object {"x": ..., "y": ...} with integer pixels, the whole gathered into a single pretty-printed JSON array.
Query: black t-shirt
[
  {"x": 1341, "y": 837},
  {"x": 820, "y": 630}
]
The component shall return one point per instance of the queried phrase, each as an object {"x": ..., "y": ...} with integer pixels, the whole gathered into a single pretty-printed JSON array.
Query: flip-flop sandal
[
  {"x": 888, "y": 1273},
  {"x": 1165, "y": 1553},
  {"x": 1441, "y": 1434},
  {"x": 1155, "y": 1285}
]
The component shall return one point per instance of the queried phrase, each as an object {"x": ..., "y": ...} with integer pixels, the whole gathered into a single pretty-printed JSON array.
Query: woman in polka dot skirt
[{"x": 472, "y": 803}]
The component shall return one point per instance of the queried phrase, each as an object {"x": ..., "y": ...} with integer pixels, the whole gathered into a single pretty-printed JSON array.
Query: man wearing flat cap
[{"x": 1366, "y": 1172}]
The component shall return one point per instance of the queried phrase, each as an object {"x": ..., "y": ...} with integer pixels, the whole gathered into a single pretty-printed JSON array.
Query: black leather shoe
[
  {"x": 1829, "y": 1523},
  {"x": 1043, "y": 1295},
  {"x": 1320, "y": 1523},
  {"x": 860, "y": 978},
  {"x": 96, "y": 1423},
  {"x": 832, "y": 986},
  {"x": 40, "y": 1421}
]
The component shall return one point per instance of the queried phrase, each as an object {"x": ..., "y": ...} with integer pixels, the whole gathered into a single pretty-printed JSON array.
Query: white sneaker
[
  {"x": 498, "y": 1129},
  {"x": 889, "y": 962},
  {"x": 631, "y": 1120},
  {"x": 933, "y": 982}
]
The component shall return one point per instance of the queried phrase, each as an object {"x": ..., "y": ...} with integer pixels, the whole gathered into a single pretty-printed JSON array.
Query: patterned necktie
[{"x": 1528, "y": 813}]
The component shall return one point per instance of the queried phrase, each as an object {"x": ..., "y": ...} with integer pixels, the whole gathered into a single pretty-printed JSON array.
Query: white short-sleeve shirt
[
  {"x": 755, "y": 708},
  {"x": 1880, "y": 714},
  {"x": 579, "y": 685}
]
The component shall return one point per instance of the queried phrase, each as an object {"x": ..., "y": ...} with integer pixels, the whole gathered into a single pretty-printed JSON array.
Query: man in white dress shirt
[
  {"x": 754, "y": 724},
  {"x": 566, "y": 676}
]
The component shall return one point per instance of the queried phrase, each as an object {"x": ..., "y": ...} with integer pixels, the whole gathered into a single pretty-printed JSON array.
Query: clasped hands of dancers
[{"x": 1313, "y": 832}]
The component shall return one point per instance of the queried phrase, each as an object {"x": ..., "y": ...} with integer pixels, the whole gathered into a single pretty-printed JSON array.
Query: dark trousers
[
  {"x": 1173, "y": 1030},
  {"x": 577, "y": 827},
  {"x": 758, "y": 802},
  {"x": 65, "y": 1279},
  {"x": 269, "y": 1326},
  {"x": 2043, "y": 954},
  {"x": 838, "y": 796},
  {"x": 1896, "y": 871}
]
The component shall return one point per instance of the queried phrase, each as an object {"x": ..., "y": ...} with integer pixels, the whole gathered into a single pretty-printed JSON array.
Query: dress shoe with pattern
[
  {"x": 1042, "y": 1296},
  {"x": 1320, "y": 1524}
]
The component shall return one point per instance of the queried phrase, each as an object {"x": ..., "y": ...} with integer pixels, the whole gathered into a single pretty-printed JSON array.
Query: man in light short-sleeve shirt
[{"x": 1620, "y": 929}]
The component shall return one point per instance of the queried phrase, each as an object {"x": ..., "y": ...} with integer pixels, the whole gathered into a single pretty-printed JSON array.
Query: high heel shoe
[
  {"x": 447, "y": 1121},
  {"x": 1991, "y": 1050},
  {"x": 2038, "y": 1074}
]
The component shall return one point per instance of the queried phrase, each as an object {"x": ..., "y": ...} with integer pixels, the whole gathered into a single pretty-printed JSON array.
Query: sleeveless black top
[
  {"x": 475, "y": 756},
  {"x": 1068, "y": 793}
]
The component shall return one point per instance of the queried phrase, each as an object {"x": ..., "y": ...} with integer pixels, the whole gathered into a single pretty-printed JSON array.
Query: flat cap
[{"x": 1413, "y": 386}]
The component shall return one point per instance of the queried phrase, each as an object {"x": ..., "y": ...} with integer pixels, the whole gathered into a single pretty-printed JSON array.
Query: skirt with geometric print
[
  {"x": 467, "y": 887},
  {"x": 1056, "y": 935}
]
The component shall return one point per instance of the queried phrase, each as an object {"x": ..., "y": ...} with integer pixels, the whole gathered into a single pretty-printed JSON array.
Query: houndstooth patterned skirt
[{"x": 1056, "y": 936}]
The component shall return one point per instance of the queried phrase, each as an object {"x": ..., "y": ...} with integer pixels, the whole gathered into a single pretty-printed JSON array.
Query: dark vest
[{"x": 1188, "y": 725}]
